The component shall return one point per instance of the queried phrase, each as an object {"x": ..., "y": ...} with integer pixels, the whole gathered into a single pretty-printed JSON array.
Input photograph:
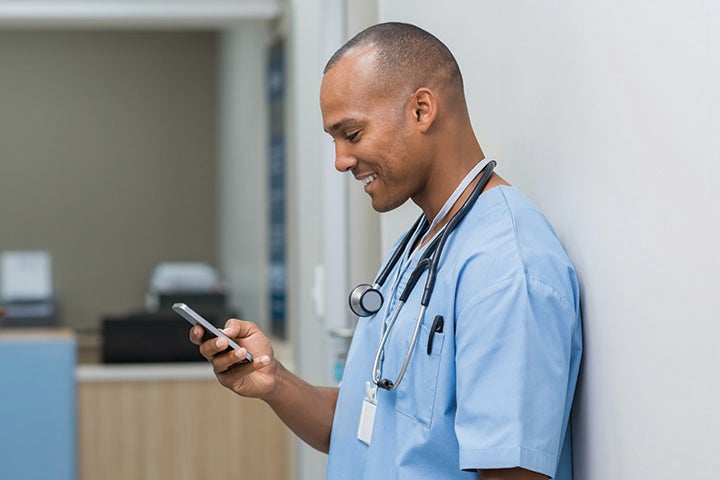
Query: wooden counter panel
[{"x": 179, "y": 430}]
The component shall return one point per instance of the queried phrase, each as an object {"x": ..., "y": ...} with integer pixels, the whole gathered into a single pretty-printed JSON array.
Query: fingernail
[
  {"x": 220, "y": 343},
  {"x": 241, "y": 353},
  {"x": 264, "y": 360}
]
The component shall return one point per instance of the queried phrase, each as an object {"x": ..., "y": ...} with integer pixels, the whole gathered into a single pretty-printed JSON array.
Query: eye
[{"x": 351, "y": 137}]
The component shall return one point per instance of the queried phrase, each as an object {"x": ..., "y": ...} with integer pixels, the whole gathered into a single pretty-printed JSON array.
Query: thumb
[{"x": 235, "y": 328}]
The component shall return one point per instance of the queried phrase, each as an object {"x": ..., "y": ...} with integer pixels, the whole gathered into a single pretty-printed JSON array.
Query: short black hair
[{"x": 406, "y": 55}]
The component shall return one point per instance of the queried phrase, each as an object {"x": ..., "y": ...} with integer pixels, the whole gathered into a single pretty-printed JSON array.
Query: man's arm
[
  {"x": 510, "y": 474},
  {"x": 306, "y": 409}
]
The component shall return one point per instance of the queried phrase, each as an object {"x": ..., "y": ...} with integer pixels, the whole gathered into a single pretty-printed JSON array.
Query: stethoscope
[{"x": 366, "y": 300}]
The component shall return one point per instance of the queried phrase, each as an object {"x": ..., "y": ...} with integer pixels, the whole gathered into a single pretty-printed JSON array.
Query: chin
[{"x": 386, "y": 206}]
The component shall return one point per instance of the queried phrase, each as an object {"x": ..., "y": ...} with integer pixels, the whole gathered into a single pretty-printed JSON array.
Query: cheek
[
  {"x": 387, "y": 152},
  {"x": 398, "y": 158}
]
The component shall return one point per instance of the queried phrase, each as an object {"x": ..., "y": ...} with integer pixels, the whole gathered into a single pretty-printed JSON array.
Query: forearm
[
  {"x": 510, "y": 474},
  {"x": 306, "y": 409}
]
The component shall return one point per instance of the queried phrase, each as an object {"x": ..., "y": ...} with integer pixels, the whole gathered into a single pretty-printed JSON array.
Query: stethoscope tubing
[
  {"x": 385, "y": 273},
  {"x": 377, "y": 373},
  {"x": 429, "y": 260}
]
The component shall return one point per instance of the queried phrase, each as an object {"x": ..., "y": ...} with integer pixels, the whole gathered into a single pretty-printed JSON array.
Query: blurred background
[{"x": 161, "y": 151}]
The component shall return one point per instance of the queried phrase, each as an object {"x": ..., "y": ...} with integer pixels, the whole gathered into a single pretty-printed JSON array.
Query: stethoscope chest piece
[{"x": 365, "y": 300}]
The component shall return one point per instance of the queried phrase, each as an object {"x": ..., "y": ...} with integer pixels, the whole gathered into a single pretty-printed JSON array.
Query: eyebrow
[{"x": 342, "y": 123}]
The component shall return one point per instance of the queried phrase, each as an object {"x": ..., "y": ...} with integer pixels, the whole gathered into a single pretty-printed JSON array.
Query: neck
[
  {"x": 452, "y": 204},
  {"x": 451, "y": 166}
]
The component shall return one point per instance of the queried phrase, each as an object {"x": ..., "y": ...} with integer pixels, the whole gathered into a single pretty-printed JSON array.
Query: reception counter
[
  {"x": 37, "y": 404},
  {"x": 173, "y": 421},
  {"x": 149, "y": 421}
]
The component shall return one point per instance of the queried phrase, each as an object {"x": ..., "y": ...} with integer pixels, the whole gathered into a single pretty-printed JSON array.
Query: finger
[
  {"x": 212, "y": 347},
  {"x": 196, "y": 334},
  {"x": 235, "y": 328},
  {"x": 261, "y": 361},
  {"x": 230, "y": 360},
  {"x": 232, "y": 369}
]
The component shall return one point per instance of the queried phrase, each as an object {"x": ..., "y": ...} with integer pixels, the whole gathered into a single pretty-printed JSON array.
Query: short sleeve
[{"x": 513, "y": 362}]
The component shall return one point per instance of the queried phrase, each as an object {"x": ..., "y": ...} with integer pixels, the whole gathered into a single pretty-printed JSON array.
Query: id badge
[{"x": 367, "y": 414}]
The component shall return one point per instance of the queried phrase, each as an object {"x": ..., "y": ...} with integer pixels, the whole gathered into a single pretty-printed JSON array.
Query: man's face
[{"x": 373, "y": 132}]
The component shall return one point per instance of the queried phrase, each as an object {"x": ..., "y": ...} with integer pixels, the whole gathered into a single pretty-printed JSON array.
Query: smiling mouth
[{"x": 368, "y": 180}]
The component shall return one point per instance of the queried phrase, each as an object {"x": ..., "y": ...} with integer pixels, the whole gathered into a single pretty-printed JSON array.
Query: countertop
[
  {"x": 139, "y": 372},
  {"x": 89, "y": 369}
]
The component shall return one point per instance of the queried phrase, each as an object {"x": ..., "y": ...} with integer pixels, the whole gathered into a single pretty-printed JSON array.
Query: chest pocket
[{"x": 416, "y": 393}]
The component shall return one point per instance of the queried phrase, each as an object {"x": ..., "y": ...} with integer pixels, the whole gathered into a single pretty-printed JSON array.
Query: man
[{"x": 488, "y": 393}]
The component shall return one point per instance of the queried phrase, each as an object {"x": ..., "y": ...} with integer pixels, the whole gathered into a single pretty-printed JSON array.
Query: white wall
[
  {"x": 305, "y": 222},
  {"x": 365, "y": 248},
  {"x": 242, "y": 169},
  {"x": 606, "y": 113}
]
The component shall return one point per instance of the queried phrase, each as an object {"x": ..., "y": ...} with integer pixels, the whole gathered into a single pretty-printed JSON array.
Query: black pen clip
[{"x": 437, "y": 327}]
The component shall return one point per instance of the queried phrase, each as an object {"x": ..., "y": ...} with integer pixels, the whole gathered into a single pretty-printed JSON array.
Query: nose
[{"x": 344, "y": 161}]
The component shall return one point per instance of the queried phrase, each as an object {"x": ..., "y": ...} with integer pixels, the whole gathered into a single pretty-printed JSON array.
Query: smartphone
[{"x": 194, "y": 318}]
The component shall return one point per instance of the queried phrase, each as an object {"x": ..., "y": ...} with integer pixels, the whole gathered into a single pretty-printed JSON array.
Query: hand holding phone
[{"x": 194, "y": 318}]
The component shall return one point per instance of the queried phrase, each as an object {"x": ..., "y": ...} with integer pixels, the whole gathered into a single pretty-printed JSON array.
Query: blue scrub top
[{"x": 496, "y": 390}]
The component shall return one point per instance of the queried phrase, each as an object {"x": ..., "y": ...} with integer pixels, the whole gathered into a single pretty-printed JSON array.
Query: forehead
[
  {"x": 356, "y": 68},
  {"x": 347, "y": 90}
]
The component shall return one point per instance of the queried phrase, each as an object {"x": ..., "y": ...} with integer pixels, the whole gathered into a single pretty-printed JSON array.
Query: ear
[{"x": 424, "y": 105}]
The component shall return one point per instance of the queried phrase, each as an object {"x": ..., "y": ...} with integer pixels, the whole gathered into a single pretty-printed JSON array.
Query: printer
[
  {"x": 26, "y": 290},
  {"x": 157, "y": 334}
]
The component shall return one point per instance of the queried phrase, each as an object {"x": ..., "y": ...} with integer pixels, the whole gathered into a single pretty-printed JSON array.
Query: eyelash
[{"x": 351, "y": 138}]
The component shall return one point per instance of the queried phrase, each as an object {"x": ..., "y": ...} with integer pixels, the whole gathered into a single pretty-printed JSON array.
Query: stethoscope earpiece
[{"x": 365, "y": 300}]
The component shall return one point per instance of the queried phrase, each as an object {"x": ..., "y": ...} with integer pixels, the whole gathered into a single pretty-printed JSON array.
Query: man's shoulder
[
  {"x": 504, "y": 216},
  {"x": 508, "y": 235}
]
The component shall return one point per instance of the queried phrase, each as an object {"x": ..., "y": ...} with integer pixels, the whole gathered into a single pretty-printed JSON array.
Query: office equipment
[
  {"x": 152, "y": 337},
  {"x": 195, "y": 283},
  {"x": 26, "y": 290}
]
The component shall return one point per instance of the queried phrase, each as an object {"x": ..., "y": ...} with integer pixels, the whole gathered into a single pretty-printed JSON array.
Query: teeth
[{"x": 367, "y": 180}]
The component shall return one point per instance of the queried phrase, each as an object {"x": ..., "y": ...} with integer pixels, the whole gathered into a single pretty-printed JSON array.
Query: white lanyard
[
  {"x": 441, "y": 214},
  {"x": 456, "y": 194}
]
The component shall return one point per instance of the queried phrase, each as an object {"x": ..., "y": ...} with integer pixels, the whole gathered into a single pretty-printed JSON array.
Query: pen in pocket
[{"x": 437, "y": 327}]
